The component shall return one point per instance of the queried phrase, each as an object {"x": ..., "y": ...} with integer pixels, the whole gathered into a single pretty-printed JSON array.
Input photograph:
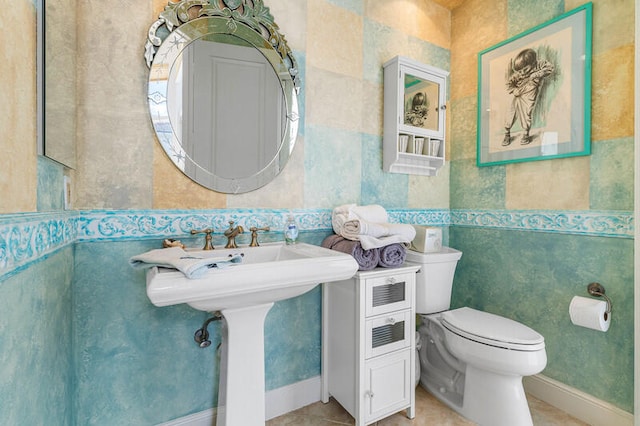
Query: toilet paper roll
[{"x": 590, "y": 313}]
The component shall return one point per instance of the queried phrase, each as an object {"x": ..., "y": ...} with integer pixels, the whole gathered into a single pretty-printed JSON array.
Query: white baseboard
[
  {"x": 203, "y": 418},
  {"x": 579, "y": 404},
  {"x": 278, "y": 402},
  {"x": 288, "y": 398}
]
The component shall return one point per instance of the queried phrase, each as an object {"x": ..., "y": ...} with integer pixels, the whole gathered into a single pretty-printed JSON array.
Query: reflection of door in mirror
[
  {"x": 230, "y": 94},
  {"x": 421, "y": 103}
]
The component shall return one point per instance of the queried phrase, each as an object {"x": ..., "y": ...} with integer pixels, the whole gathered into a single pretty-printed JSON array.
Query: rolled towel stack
[
  {"x": 370, "y": 226},
  {"x": 366, "y": 259},
  {"x": 390, "y": 256}
]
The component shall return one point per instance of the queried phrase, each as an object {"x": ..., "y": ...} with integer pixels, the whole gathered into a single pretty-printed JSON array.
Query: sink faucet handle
[
  {"x": 254, "y": 235},
  {"x": 207, "y": 237},
  {"x": 231, "y": 233},
  {"x": 231, "y": 227}
]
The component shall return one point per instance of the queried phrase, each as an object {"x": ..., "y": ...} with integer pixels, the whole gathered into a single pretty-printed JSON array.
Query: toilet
[{"x": 472, "y": 361}]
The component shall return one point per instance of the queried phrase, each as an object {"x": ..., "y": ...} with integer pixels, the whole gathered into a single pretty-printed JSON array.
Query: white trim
[
  {"x": 278, "y": 402},
  {"x": 289, "y": 398},
  {"x": 203, "y": 418},
  {"x": 576, "y": 403}
]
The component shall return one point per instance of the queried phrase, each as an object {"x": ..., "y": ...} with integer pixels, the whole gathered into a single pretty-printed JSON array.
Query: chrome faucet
[{"x": 231, "y": 235}]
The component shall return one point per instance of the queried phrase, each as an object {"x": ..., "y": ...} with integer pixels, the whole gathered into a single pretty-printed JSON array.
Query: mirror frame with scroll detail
[{"x": 186, "y": 21}]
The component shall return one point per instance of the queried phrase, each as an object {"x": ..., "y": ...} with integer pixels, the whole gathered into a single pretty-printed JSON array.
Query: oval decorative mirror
[{"x": 223, "y": 92}]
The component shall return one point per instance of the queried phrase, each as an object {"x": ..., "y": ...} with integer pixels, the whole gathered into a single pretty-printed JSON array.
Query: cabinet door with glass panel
[{"x": 414, "y": 117}]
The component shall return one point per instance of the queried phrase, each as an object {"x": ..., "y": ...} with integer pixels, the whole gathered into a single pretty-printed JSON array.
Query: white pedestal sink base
[
  {"x": 242, "y": 386},
  {"x": 244, "y": 293}
]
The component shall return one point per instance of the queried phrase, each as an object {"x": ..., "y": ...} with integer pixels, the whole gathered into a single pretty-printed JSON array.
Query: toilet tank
[{"x": 434, "y": 281}]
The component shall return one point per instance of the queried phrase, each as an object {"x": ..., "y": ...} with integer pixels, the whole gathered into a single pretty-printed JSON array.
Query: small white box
[{"x": 427, "y": 240}]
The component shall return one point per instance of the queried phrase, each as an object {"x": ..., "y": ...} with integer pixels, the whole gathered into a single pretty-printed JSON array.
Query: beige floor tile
[{"x": 429, "y": 411}]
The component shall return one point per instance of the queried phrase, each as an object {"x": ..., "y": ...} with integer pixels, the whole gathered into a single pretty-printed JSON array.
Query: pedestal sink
[{"x": 243, "y": 293}]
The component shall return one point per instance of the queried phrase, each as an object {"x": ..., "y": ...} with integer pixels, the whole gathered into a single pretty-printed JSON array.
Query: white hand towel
[
  {"x": 352, "y": 229},
  {"x": 190, "y": 264},
  {"x": 351, "y": 212},
  {"x": 372, "y": 213},
  {"x": 369, "y": 225},
  {"x": 339, "y": 216},
  {"x": 367, "y": 242}
]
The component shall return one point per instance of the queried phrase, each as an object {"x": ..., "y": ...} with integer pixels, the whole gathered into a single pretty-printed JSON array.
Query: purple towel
[
  {"x": 392, "y": 256},
  {"x": 366, "y": 259}
]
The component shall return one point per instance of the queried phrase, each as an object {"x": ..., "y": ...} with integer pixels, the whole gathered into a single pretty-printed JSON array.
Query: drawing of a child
[
  {"x": 528, "y": 75},
  {"x": 417, "y": 115}
]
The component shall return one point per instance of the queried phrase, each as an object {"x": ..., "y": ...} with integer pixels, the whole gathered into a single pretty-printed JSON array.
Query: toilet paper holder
[{"x": 596, "y": 289}]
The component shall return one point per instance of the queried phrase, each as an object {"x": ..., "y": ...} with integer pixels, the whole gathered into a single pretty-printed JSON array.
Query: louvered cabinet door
[
  {"x": 388, "y": 293},
  {"x": 388, "y": 333}
]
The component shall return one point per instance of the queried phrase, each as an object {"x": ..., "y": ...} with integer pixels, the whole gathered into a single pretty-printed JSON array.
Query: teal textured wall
[
  {"x": 134, "y": 363},
  {"x": 138, "y": 364},
  {"x": 531, "y": 277},
  {"x": 35, "y": 343}
]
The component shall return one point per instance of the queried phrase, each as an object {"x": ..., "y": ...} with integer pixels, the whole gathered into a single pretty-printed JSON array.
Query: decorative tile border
[
  {"x": 441, "y": 217},
  {"x": 137, "y": 224},
  {"x": 25, "y": 238},
  {"x": 134, "y": 224},
  {"x": 28, "y": 237},
  {"x": 594, "y": 223}
]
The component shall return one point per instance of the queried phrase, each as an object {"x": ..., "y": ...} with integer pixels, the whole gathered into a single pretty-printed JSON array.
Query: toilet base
[{"x": 497, "y": 400}]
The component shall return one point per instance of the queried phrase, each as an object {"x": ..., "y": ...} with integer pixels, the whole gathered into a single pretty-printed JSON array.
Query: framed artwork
[{"x": 534, "y": 96}]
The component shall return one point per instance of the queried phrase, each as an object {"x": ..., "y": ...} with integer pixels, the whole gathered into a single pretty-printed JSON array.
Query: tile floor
[{"x": 429, "y": 411}]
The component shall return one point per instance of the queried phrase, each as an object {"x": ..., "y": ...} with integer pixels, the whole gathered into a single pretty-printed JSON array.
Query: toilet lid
[{"x": 492, "y": 329}]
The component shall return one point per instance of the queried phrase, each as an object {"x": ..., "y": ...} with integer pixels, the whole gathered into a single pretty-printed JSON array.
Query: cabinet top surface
[
  {"x": 405, "y": 268},
  {"x": 403, "y": 60}
]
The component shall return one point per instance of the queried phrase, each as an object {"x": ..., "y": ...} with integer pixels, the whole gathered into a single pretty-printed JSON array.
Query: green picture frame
[{"x": 534, "y": 93}]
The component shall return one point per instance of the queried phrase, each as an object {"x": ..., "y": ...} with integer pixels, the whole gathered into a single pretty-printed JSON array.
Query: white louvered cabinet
[{"x": 368, "y": 343}]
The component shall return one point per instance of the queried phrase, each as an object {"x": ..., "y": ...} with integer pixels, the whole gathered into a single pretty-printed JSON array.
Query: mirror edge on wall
[
  {"x": 59, "y": 106},
  {"x": 39, "y": 79}
]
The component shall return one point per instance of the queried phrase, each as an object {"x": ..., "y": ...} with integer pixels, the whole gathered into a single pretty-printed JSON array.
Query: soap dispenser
[{"x": 290, "y": 230}]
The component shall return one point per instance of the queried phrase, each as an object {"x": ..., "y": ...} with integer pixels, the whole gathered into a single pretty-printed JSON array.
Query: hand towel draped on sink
[{"x": 190, "y": 264}]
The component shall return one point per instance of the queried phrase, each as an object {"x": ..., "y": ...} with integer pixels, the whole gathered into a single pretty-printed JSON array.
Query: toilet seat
[{"x": 492, "y": 330}]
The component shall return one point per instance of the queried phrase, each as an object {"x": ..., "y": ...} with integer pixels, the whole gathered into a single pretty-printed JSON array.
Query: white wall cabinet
[
  {"x": 414, "y": 117},
  {"x": 368, "y": 343}
]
